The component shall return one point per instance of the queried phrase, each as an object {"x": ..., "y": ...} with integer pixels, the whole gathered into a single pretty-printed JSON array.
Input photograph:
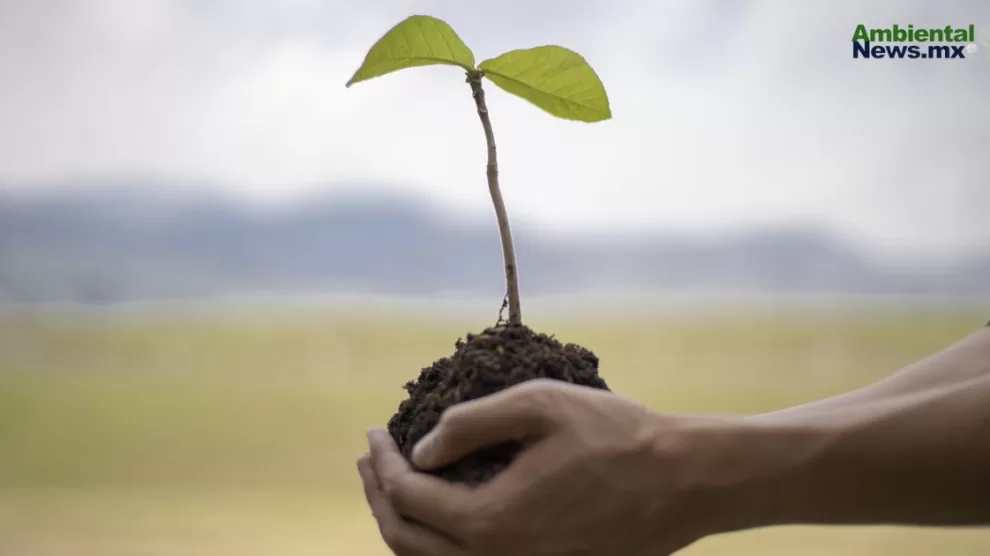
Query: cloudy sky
[{"x": 726, "y": 114}]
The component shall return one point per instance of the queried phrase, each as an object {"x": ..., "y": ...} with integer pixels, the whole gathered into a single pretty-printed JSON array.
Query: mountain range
[{"x": 128, "y": 242}]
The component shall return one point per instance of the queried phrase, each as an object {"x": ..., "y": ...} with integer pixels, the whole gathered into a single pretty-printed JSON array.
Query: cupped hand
[{"x": 598, "y": 475}]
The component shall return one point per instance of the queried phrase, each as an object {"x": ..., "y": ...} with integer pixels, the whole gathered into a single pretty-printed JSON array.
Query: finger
[
  {"x": 430, "y": 500},
  {"x": 520, "y": 412},
  {"x": 370, "y": 482},
  {"x": 403, "y": 537}
]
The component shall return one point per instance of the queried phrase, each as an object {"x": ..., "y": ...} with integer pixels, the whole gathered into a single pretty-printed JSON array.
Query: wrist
[{"x": 743, "y": 473}]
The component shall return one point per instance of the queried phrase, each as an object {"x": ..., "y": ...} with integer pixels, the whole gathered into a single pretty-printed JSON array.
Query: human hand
[{"x": 598, "y": 474}]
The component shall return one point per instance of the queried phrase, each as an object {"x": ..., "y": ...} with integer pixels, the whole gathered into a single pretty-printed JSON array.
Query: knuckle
[
  {"x": 453, "y": 423},
  {"x": 391, "y": 487},
  {"x": 399, "y": 499},
  {"x": 539, "y": 391},
  {"x": 392, "y": 535},
  {"x": 451, "y": 416}
]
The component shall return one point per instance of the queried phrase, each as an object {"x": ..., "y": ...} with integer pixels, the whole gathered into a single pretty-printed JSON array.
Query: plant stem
[{"x": 508, "y": 252}]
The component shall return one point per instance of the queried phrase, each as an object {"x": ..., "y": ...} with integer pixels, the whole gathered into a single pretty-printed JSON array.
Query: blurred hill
[{"x": 154, "y": 241}]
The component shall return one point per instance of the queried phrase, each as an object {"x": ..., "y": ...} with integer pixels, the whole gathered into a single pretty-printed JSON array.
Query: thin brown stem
[{"x": 508, "y": 252}]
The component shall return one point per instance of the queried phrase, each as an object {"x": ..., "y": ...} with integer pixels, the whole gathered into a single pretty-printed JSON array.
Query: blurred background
[{"x": 218, "y": 266}]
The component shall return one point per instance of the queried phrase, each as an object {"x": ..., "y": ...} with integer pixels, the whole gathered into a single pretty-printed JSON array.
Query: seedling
[{"x": 562, "y": 83}]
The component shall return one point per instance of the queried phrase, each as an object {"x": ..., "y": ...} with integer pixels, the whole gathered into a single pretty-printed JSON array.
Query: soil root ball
[{"x": 483, "y": 364}]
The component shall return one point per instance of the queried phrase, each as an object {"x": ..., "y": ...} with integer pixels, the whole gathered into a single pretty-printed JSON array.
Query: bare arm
[
  {"x": 911, "y": 449},
  {"x": 600, "y": 474},
  {"x": 960, "y": 362}
]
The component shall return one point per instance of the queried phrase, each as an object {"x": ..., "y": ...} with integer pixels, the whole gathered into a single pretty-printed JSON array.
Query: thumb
[{"x": 520, "y": 412}]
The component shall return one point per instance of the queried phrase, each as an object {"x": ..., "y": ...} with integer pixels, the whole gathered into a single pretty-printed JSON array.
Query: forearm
[
  {"x": 960, "y": 362},
  {"x": 915, "y": 459},
  {"x": 912, "y": 449}
]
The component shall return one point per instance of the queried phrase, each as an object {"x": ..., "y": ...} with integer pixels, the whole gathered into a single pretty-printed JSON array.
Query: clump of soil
[{"x": 500, "y": 357}]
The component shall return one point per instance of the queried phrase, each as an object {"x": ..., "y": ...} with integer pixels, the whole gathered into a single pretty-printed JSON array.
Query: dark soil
[{"x": 485, "y": 363}]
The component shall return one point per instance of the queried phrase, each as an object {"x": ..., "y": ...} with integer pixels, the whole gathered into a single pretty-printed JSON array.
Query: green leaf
[
  {"x": 554, "y": 78},
  {"x": 418, "y": 40}
]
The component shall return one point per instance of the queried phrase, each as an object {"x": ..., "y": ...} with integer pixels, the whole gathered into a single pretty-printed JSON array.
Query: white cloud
[{"x": 724, "y": 115}]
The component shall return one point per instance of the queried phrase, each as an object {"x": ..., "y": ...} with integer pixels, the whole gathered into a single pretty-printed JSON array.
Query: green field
[{"x": 235, "y": 432}]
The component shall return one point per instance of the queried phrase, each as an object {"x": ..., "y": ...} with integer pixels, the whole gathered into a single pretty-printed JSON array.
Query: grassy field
[{"x": 235, "y": 432}]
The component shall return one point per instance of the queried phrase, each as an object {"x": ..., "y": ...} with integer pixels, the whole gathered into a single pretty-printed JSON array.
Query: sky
[{"x": 726, "y": 114}]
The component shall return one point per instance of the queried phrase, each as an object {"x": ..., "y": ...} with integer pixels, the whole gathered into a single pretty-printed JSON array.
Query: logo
[{"x": 896, "y": 42}]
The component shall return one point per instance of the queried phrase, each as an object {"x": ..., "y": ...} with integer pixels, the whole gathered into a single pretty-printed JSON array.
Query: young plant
[
  {"x": 553, "y": 78},
  {"x": 563, "y": 84}
]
